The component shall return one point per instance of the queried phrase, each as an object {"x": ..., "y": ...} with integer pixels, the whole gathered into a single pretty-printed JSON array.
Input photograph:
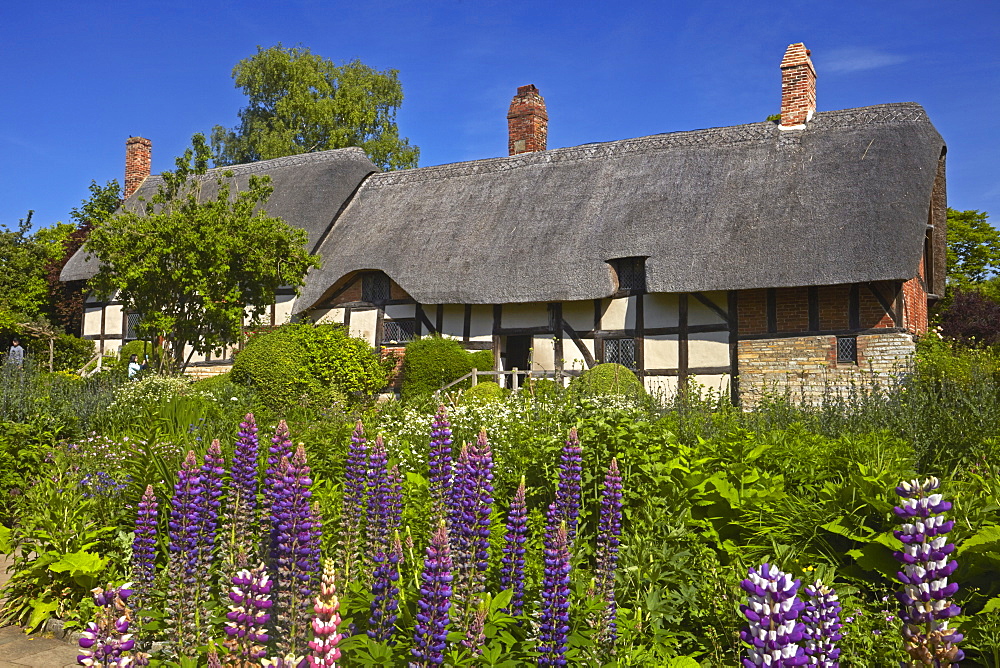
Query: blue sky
[{"x": 83, "y": 76}]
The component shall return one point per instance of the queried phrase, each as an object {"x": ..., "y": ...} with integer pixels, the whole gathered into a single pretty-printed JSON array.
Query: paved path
[{"x": 18, "y": 649}]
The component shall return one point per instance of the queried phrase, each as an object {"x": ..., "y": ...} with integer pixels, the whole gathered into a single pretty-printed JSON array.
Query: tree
[
  {"x": 973, "y": 249},
  {"x": 67, "y": 297},
  {"x": 24, "y": 293},
  {"x": 300, "y": 102},
  {"x": 193, "y": 266}
]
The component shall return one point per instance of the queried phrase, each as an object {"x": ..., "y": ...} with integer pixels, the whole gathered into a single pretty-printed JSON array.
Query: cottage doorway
[{"x": 518, "y": 354}]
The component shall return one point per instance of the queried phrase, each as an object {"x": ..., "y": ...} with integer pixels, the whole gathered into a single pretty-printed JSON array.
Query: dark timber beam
[
  {"x": 587, "y": 357},
  {"x": 712, "y": 305}
]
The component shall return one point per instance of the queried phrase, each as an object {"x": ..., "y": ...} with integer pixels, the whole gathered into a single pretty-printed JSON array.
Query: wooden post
[
  {"x": 513, "y": 379},
  {"x": 475, "y": 377},
  {"x": 52, "y": 353}
]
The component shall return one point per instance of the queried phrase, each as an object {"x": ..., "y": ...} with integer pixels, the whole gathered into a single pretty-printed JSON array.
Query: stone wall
[{"x": 806, "y": 367}]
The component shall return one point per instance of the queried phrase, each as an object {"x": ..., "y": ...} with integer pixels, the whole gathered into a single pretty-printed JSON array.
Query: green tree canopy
[
  {"x": 191, "y": 265},
  {"x": 300, "y": 102},
  {"x": 24, "y": 255},
  {"x": 973, "y": 249}
]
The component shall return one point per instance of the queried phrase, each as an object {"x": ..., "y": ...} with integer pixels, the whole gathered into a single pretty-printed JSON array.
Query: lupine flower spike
[
  {"x": 608, "y": 539},
  {"x": 144, "y": 545},
  {"x": 378, "y": 499},
  {"x": 430, "y": 632},
  {"x": 822, "y": 625},
  {"x": 440, "y": 464},
  {"x": 186, "y": 509},
  {"x": 385, "y": 593},
  {"x": 106, "y": 641},
  {"x": 248, "y": 616},
  {"x": 244, "y": 539},
  {"x": 512, "y": 562},
  {"x": 926, "y": 569},
  {"x": 326, "y": 622},
  {"x": 553, "y": 632},
  {"x": 568, "y": 487},
  {"x": 353, "y": 512},
  {"x": 772, "y": 610}
]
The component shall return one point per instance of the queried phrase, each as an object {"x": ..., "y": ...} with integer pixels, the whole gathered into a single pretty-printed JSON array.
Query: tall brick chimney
[
  {"x": 798, "y": 87},
  {"x": 138, "y": 163},
  {"x": 527, "y": 121}
]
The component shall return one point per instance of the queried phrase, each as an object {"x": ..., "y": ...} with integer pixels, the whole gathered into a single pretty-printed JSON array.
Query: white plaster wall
[
  {"x": 92, "y": 321},
  {"x": 661, "y": 386},
  {"x": 543, "y": 353},
  {"x": 481, "y": 327},
  {"x": 572, "y": 357},
  {"x": 330, "y": 315},
  {"x": 113, "y": 321},
  {"x": 524, "y": 315},
  {"x": 579, "y": 315},
  {"x": 283, "y": 308},
  {"x": 453, "y": 321},
  {"x": 699, "y": 314},
  {"x": 718, "y": 383},
  {"x": 363, "y": 325},
  {"x": 660, "y": 310},
  {"x": 708, "y": 349},
  {"x": 618, "y": 313},
  {"x": 661, "y": 352},
  {"x": 400, "y": 311}
]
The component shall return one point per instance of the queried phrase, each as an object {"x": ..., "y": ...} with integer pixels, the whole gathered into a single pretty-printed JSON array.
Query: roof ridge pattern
[
  {"x": 262, "y": 166},
  {"x": 882, "y": 114}
]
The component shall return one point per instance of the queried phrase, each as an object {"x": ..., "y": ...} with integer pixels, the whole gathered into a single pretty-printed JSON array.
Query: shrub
[
  {"x": 434, "y": 361},
  {"x": 71, "y": 352},
  {"x": 306, "y": 364},
  {"x": 140, "y": 348},
  {"x": 216, "y": 384},
  {"x": 972, "y": 319},
  {"x": 483, "y": 393},
  {"x": 613, "y": 379}
]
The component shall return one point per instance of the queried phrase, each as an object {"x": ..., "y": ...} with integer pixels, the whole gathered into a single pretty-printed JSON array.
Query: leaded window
[
  {"x": 399, "y": 331},
  {"x": 374, "y": 287},
  {"x": 847, "y": 350},
  {"x": 131, "y": 324},
  {"x": 620, "y": 351},
  {"x": 631, "y": 273}
]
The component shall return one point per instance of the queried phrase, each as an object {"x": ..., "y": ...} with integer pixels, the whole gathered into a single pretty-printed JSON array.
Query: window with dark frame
[
  {"x": 374, "y": 287},
  {"x": 620, "y": 351},
  {"x": 399, "y": 331},
  {"x": 631, "y": 273},
  {"x": 131, "y": 322},
  {"x": 847, "y": 350}
]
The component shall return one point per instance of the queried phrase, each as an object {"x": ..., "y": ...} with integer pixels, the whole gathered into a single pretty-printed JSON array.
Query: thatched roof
[
  {"x": 845, "y": 200},
  {"x": 309, "y": 190}
]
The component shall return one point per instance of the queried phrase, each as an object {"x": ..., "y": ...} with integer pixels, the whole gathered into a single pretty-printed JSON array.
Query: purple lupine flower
[
  {"x": 430, "y": 633},
  {"x": 772, "y": 610},
  {"x": 183, "y": 566},
  {"x": 608, "y": 539},
  {"x": 394, "y": 500},
  {"x": 326, "y": 622},
  {"x": 512, "y": 563},
  {"x": 213, "y": 659},
  {"x": 459, "y": 519},
  {"x": 281, "y": 446},
  {"x": 244, "y": 538},
  {"x": 440, "y": 464},
  {"x": 822, "y": 625},
  {"x": 378, "y": 498},
  {"x": 248, "y": 615},
  {"x": 211, "y": 473},
  {"x": 385, "y": 592},
  {"x": 353, "y": 510},
  {"x": 144, "y": 545},
  {"x": 568, "y": 487},
  {"x": 296, "y": 550},
  {"x": 926, "y": 568},
  {"x": 553, "y": 630},
  {"x": 106, "y": 641},
  {"x": 481, "y": 494}
]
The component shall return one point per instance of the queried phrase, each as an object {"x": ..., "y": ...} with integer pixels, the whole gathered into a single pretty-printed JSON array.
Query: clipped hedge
[
  {"x": 433, "y": 361},
  {"x": 609, "y": 379},
  {"x": 305, "y": 364},
  {"x": 483, "y": 393}
]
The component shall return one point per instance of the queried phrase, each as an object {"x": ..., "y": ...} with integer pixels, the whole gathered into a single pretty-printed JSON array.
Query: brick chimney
[
  {"x": 138, "y": 163},
  {"x": 527, "y": 121},
  {"x": 798, "y": 87}
]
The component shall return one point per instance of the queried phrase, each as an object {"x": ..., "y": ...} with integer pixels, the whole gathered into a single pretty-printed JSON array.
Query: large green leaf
[
  {"x": 79, "y": 564},
  {"x": 40, "y": 611},
  {"x": 6, "y": 547},
  {"x": 986, "y": 539}
]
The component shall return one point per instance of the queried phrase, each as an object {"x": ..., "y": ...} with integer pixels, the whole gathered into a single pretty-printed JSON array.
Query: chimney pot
[
  {"x": 527, "y": 121},
  {"x": 138, "y": 163},
  {"x": 798, "y": 87}
]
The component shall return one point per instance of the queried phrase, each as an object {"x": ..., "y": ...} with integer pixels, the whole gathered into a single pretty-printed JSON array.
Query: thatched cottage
[{"x": 795, "y": 254}]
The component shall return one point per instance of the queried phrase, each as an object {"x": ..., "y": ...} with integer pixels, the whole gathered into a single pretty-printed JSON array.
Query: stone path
[{"x": 18, "y": 649}]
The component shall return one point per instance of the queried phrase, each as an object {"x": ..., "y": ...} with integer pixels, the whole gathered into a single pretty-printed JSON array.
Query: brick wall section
[
  {"x": 752, "y": 312},
  {"x": 915, "y": 300},
  {"x": 396, "y": 377},
  {"x": 833, "y": 307},
  {"x": 805, "y": 367},
  {"x": 138, "y": 163},
  {"x": 527, "y": 122},
  {"x": 871, "y": 311},
  {"x": 798, "y": 86},
  {"x": 792, "y": 309}
]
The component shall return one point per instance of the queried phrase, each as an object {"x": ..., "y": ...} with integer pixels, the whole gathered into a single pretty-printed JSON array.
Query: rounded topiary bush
[
  {"x": 482, "y": 393},
  {"x": 306, "y": 364},
  {"x": 613, "y": 379},
  {"x": 433, "y": 361}
]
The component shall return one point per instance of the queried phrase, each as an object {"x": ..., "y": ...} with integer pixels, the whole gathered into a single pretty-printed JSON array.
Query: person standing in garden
[
  {"x": 133, "y": 367},
  {"x": 15, "y": 355}
]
